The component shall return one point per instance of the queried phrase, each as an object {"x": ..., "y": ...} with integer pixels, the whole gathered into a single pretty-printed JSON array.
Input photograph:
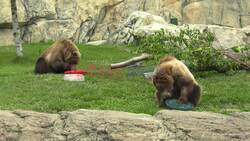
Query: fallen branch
[
  {"x": 131, "y": 61},
  {"x": 242, "y": 63}
]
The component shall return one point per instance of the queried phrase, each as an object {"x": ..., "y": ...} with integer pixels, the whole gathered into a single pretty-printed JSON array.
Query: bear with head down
[
  {"x": 63, "y": 55},
  {"x": 173, "y": 80}
]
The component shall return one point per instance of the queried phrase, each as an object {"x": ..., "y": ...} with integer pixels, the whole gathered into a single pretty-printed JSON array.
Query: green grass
[
  {"x": 223, "y": 93},
  {"x": 20, "y": 88}
]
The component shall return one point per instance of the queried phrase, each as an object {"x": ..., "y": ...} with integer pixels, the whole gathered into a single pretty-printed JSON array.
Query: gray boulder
[
  {"x": 141, "y": 24},
  {"x": 92, "y": 125}
]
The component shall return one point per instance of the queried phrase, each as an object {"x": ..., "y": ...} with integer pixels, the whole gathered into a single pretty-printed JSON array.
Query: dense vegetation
[{"x": 190, "y": 45}]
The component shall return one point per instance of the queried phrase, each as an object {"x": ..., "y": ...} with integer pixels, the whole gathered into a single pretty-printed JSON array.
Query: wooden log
[
  {"x": 236, "y": 58},
  {"x": 242, "y": 64},
  {"x": 131, "y": 61}
]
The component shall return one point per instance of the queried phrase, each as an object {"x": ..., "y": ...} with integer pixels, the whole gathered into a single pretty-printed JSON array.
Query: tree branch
[{"x": 131, "y": 61}]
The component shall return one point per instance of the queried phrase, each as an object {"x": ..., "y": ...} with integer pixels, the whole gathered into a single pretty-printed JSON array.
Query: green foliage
[
  {"x": 244, "y": 51},
  {"x": 190, "y": 45}
]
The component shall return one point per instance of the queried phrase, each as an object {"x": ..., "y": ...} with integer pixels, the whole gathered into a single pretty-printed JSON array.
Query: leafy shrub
[
  {"x": 190, "y": 45},
  {"x": 244, "y": 51}
]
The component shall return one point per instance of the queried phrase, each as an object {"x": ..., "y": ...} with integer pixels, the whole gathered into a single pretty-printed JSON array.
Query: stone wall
[
  {"x": 85, "y": 20},
  {"x": 91, "y": 125}
]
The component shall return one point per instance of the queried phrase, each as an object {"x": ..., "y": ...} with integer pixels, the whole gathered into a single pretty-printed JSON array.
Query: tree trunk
[{"x": 16, "y": 31}]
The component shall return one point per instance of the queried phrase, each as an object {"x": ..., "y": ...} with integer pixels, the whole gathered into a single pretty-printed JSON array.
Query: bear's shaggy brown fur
[
  {"x": 63, "y": 55},
  {"x": 172, "y": 79}
]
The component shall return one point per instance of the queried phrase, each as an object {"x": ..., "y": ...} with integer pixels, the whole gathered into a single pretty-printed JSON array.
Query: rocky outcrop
[
  {"x": 140, "y": 24},
  {"x": 90, "y": 20},
  {"x": 65, "y": 19},
  {"x": 204, "y": 126},
  {"x": 6, "y": 36},
  {"x": 93, "y": 125},
  {"x": 231, "y": 13},
  {"x": 5, "y": 13}
]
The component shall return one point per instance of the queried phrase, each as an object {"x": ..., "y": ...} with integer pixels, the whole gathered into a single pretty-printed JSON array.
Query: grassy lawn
[{"x": 20, "y": 88}]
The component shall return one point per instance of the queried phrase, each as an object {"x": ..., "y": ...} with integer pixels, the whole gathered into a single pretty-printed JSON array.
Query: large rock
[
  {"x": 206, "y": 126},
  {"x": 246, "y": 30},
  {"x": 230, "y": 13},
  {"x": 50, "y": 30},
  {"x": 37, "y": 9},
  {"x": 138, "y": 24},
  {"x": 88, "y": 125},
  {"x": 197, "y": 12},
  {"x": 112, "y": 16},
  {"x": 165, "y": 8},
  {"x": 84, "y": 125},
  {"x": 6, "y": 37},
  {"x": 97, "y": 20},
  {"x": 225, "y": 37},
  {"x": 141, "y": 24},
  {"x": 228, "y": 37},
  {"x": 5, "y": 13},
  {"x": 77, "y": 19}
]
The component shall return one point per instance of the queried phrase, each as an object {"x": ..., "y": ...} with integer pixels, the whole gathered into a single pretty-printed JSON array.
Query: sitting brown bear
[{"x": 63, "y": 55}]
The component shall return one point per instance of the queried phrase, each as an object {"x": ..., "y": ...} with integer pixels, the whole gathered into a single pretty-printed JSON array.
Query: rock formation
[
  {"x": 140, "y": 24},
  {"x": 90, "y": 20},
  {"x": 91, "y": 125}
]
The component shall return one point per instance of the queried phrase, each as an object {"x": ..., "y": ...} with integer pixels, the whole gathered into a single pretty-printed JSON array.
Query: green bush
[
  {"x": 244, "y": 51},
  {"x": 190, "y": 45}
]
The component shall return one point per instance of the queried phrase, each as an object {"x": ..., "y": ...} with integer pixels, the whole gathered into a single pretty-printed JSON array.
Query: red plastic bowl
[{"x": 75, "y": 72}]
